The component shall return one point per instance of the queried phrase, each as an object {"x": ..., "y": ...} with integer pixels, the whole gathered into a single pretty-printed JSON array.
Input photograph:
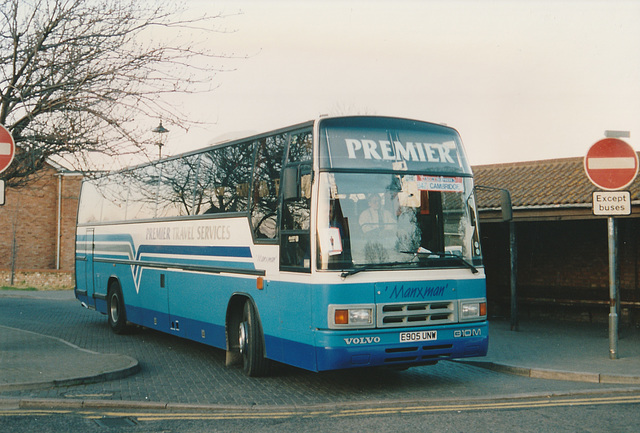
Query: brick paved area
[{"x": 180, "y": 371}]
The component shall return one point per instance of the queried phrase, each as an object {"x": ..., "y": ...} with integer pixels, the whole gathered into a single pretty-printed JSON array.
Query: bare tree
[{"x": 79, "y": 77}]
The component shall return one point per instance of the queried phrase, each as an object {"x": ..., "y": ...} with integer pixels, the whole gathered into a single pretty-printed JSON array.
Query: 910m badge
[{"x": 458, "y": 333}]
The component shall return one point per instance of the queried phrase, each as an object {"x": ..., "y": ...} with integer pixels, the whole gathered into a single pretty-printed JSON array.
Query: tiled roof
[{"x": 546, "y": 183}]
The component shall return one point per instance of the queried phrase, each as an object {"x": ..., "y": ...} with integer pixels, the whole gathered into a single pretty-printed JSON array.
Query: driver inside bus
[{"x": 375, "y": 217}]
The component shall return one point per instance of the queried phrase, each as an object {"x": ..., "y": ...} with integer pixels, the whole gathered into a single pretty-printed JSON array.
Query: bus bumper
[{"x": 400, "y": 347}]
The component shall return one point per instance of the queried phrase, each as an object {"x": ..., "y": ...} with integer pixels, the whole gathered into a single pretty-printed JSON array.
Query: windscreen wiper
[
  {"x": 352, "y": 271},
  {"x": 422, "y": 252},
  {"x": 371, "y": 267}
]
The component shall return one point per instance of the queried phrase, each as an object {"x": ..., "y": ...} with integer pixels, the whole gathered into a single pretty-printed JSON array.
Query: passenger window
[
  {"x": 223, "y": 180},
  {"x": 141, "y": 203},
  {"x": 266, "y": 186},
  {"x": 177, "y": 182},
  {"x": 91, "y": 200},
  {"x": 300, "y": 147},
  {"x": 115, "y": 190}
]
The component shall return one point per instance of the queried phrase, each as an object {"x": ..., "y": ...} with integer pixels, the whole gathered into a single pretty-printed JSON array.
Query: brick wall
[
  {"x": 69, "y": 210},
  {"x": 561, "y": 260},
  {"x": 29, "y": 217},
  {"x": 41, "y": 279}
]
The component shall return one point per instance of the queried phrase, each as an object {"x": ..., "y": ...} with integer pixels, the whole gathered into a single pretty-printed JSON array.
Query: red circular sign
[
  {"x": 611, "y": 164},
  {"x": 7, "y": 148}
]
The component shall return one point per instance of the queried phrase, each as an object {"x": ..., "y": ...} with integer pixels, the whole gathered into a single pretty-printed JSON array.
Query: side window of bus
[
  {"x": 300, "y": 147},
  {"x": 91, "y": 200},
  {"x": 177, "y": 182},
  {"x": 224, "y": 177},
  {"x": 266, "y": 186},
  {"x": 143, "y": 192},
  {"x": 115, "y": 192}
]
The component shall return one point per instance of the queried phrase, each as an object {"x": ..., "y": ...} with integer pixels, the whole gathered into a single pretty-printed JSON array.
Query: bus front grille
[
  {"x": 418, "y": 354},
  {"x": 416, "y": 314}
]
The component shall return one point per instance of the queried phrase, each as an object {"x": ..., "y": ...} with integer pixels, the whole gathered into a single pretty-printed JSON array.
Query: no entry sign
[
  {"x": 611, "y": 164},
  {"x": 7, "y": 148}
]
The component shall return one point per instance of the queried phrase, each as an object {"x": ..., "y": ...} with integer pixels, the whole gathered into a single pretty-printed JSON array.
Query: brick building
[
  {"x": 562, "y": 250},
  {"x": 37, "y": 223}
]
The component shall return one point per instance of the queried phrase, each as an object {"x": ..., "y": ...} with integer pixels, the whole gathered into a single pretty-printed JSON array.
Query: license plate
[{"x": 407, "y": 337}]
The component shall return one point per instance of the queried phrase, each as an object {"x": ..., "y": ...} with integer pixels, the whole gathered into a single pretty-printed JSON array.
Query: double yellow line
[{"x": 333, "y": 413}]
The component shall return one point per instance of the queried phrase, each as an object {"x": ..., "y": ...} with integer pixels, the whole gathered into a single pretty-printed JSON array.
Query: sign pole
[
  {"x": 614, "y": 294},
  {"x": 611, "y": 164}
]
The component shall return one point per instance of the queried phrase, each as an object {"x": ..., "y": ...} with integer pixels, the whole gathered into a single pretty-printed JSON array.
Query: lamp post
[{"x": 160, "y": 130}]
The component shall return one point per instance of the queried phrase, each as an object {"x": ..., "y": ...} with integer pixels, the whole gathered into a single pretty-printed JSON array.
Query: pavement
[
  {"x": 29, "y": 360},
  {"x": 563, "y": 350},
  {"x": 34, "y": 361},
  {"x": 543, "y": 349}
]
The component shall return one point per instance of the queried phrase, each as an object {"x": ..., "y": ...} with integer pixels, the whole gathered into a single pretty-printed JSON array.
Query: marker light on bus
[
  {"x": 473, "y": 310},
  {"x": 341, "y": 316}
]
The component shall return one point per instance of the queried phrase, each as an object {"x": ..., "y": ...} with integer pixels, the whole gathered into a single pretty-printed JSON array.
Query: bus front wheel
[
  {"x": 115, "y": 309},
  {"x": 251, "y": 342}
]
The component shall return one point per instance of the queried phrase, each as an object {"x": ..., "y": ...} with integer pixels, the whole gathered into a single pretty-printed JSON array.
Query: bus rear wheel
[
  {"x": 251, "y": 343},
  {"x": 115, "y": 309}
]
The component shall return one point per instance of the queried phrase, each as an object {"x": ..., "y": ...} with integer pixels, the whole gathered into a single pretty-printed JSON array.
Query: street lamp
[
  {"x": 160, "y": 130},
  {"x": 617, "y": 134}
]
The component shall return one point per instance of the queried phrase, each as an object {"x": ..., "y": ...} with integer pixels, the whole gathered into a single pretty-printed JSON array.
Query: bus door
[{"x": 295, "y": 256}]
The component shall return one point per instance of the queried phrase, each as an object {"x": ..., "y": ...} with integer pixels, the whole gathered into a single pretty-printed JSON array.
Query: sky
[{"x": 520, "y": 80}]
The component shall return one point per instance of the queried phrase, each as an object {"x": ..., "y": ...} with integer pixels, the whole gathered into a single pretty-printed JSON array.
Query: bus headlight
[
  {"x": 473, "y": 309},
  {"x": 351, "y": 316}
]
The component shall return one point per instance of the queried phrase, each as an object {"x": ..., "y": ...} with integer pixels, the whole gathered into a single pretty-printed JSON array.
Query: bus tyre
[
  {"x": 115, "y": 309},
  {"x": 251, "y": 343}
]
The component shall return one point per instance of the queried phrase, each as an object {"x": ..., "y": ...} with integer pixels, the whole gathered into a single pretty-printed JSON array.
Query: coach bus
[{"x": 338, "y": 243}]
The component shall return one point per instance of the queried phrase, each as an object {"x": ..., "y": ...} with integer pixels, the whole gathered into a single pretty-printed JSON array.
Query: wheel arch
[
  {"x": 113, "y": 279},
  {"x": 118, "y": 321},
  {"x": 234, "y": 316},
  {"x": 232, "y": 322}
]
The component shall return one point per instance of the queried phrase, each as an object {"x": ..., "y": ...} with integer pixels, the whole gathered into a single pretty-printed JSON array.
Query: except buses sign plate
[{"x": 610, "y": 203}]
